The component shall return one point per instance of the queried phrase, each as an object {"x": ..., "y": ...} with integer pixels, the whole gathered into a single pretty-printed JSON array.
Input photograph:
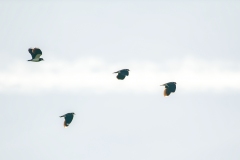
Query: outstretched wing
[
  {"x": 124, "y": 72},
  {"x": 30, "y": 50},
  {"x": 120, "y": 76},
  {"x": 68, "y": 119},
  {"x": 36, "y": 53},
  {"x": 172, "y": 87}
]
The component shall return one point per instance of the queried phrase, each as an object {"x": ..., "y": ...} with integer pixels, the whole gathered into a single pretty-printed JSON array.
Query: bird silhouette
[
  {"x": 68, "y": 119},
  {"x": 35, "y": 53},
  {"x": 170, "y": 87},
  {"x": 122, "y": 73}
]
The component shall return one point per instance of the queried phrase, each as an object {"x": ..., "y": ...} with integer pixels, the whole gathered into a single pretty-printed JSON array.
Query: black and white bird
[
  {"x": 170, "y": 87},
  {"x": 68, "y": 119},
  {"x": 36, "y": 54},
  {"x": 122, "y": 74}
]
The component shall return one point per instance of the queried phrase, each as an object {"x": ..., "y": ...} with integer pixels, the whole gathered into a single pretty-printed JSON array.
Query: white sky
[{"x": 195, "y": 44}]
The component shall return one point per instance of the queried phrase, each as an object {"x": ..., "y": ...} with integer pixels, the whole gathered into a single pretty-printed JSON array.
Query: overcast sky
[{"x": 195, "y": 44}]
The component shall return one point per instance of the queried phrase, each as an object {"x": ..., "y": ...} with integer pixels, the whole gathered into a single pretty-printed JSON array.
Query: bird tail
[
  {"x": 166, "y": 92},
  {"x": 65, "y": 124}
]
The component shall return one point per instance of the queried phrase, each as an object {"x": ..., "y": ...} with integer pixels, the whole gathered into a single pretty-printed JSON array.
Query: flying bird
[
  {"x": 170, "y": 87},
  {"x": 68, "y": 119},
  {"x": 122, "y": 74},
  {"x": 36, "y": 54}
]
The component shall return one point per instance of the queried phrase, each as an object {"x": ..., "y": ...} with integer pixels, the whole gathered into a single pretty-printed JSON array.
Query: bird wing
[
  {"x": 166, "y": 92},
  {"x": 120, "y": 76},
  {"x": 172, "y": 87},
  {"x": 68, "y": 119},
  {"x": 30, "y": 50},
  {"x": 124, "y": 72},
  {"x": 36, "y": 53}
]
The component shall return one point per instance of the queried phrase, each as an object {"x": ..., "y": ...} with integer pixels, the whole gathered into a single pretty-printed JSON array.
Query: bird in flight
[
  {"x": 170, "y": 87},
  {"x": 122, "y": 74},
  {"x": 35, "y": 53},
  {"x": 68, "y": 119}
]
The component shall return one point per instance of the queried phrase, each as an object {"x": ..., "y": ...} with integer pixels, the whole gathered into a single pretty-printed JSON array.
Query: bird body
[
  {"x": 36, "y": 54},
  {"x": 122, "y": 73},
  {"x": 68, "y": 119},
  {"x": 170, "y": 87}
]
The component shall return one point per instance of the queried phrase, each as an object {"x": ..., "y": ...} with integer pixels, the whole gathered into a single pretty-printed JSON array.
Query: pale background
[{"x": 195, "y": 43}]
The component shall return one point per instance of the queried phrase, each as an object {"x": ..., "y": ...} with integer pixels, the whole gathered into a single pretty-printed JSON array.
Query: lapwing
[
  {"x": 68, "y": 119},
  {"x": 122, "y": 74},
  {"x": 170, "y": 87},
  {"x": 36, "y": 53}
]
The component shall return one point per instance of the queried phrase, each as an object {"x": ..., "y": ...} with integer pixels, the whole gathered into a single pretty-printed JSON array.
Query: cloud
[{"x": 95, "y": 75}]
